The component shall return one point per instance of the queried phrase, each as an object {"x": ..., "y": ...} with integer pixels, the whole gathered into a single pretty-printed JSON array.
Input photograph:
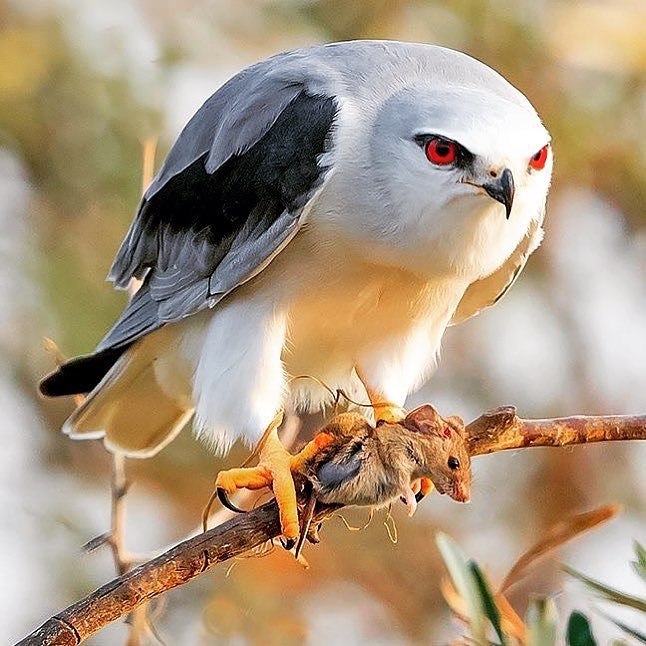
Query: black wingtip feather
[{"x": 79, "y": 375}]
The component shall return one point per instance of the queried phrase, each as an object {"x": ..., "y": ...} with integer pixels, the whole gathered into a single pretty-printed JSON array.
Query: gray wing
[
  {"x": 488, "y": 291},
  {"x": 228, "y": 198}
]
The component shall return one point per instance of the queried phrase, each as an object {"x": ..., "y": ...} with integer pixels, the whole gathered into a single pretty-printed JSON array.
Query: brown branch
[
  {"x": 118, "y": 489},
  {"x": 175, "y": 567},
  {"x": 501, "y": 430},
  {"x": 493, "y": 431}
]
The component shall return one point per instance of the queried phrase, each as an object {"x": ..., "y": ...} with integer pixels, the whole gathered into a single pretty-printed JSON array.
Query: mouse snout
[{"x": 460, "y": 492}]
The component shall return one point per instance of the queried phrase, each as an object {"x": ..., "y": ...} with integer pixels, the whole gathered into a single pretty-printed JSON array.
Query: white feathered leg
[
  {"x": 239, "y": 381},
  {"x": 391, "y": 370}
]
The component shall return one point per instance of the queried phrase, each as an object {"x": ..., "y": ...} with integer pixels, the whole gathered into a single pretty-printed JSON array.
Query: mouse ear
[{"x": 427, "y": 421}]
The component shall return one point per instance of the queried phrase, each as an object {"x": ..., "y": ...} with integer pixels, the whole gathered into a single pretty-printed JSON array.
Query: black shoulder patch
[{"x": 278, "y": 173}]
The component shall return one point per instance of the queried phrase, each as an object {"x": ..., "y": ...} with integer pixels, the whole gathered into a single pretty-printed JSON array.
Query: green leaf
[
  {"x": 464, "y": 581},
  {"x": 541, "y": 620},
  {"x": 608, "y": 592},
  {"x": 640, "y": 564},
  {"x": 578, "y": 631},
  {"x": 486, "y": 598}
]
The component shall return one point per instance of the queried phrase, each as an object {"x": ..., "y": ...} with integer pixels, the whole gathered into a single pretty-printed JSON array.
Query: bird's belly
[
  {"x": 331, "y": 326},
  {"x": 327, "y": 328}
]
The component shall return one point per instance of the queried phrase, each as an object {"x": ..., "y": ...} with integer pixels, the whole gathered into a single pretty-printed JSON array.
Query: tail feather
[{"x": 133, "y": 408}]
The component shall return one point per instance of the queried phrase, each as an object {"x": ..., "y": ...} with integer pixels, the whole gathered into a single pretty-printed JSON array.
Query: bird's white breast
[{"x": 343, "y": 310}]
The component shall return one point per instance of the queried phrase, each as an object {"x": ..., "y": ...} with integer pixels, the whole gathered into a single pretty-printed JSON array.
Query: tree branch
[
  {"x": 500, "y": 430},
  {"x": 496, "y": 430}
]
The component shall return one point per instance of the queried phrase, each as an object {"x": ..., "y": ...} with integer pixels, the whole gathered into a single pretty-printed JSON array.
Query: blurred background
[{"x": 83, "y": 84}]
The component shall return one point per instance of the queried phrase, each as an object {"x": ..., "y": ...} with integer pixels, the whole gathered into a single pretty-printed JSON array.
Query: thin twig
[
  {"x": 118, "y": 489},
  {"x": 138, "y": 621},
  {"x": 493, "y": 431}
]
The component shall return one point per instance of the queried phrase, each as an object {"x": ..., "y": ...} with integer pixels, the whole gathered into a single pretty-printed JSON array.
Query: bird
[{"x": 329, "y": 211}]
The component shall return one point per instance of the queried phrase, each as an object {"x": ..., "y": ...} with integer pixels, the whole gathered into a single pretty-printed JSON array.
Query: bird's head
[{"x": 457, "y": 174}]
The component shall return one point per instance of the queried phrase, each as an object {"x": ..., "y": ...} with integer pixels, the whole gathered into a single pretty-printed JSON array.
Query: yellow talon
[
  {"x": 426, "y": 487},
  {"x": 422, "y": 487},
  {"x": 274, "y": 470}
]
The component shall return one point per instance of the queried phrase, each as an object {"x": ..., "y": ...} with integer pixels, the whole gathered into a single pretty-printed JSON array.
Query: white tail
[{"x": 142, "y": 403}]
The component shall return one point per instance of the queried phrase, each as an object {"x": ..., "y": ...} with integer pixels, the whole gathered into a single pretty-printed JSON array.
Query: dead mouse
[
  {"x": 351, "y": 462},
  {"x": 364, "y": 465}
]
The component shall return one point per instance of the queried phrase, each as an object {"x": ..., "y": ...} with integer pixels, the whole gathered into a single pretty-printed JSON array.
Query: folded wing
[{"x": 228, "y": 198}]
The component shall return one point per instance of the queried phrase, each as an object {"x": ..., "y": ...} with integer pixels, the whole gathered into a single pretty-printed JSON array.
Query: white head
[{"x": 455, "y": 176}]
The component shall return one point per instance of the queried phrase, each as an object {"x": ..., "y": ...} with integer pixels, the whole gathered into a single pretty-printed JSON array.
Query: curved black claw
[
  {"x": 306, "y": 516},
  {"x": 287, "y": 543},
  {"x": 223, "y": 497}
]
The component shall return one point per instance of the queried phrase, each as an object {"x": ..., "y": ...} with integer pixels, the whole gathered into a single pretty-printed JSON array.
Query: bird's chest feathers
[
  {"x": 364, "y": 306},
  {"x": 475, "y": 241}
]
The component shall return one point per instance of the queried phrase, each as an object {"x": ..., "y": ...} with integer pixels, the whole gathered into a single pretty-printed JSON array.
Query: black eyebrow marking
[{"x": 465, "y": 156}]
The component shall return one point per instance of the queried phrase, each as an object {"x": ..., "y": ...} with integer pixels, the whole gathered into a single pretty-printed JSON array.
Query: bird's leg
[
  {"x": 384, "y": 409},
  {"x": 277, "y": 461},
  {"x": 275, "y": 468}
]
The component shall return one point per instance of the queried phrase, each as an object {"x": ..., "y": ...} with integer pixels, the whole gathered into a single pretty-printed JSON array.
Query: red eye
[
  {"x": 537, "y": 161},
  {"x": 441, "y": 151}
]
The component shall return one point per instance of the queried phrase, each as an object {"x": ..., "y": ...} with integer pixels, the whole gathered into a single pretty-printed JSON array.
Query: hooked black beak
[{"x": 502, "y": 190}]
